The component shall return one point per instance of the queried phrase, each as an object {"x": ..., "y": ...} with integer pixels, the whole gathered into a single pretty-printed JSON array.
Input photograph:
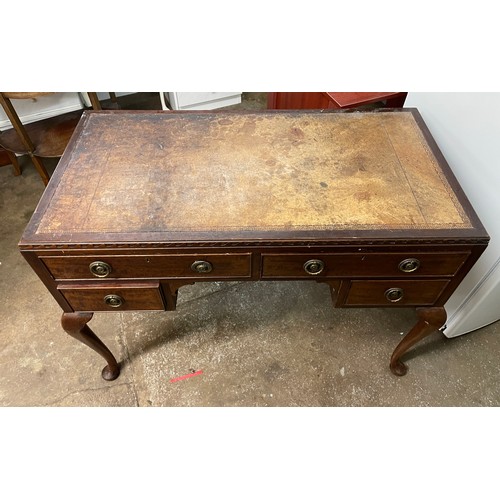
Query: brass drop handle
[
  {"x": 100, "y": 269},
  {"x": 409, "y": 265},
  {"x": 113, "y": 300},
  {"x": 201, "y": 266},
  {"x": 394, "y": 294},
  {"x": 314, "y": 266}
]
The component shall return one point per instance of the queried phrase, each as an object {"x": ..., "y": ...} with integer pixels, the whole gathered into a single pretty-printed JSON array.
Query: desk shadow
[{"x": 222, "y": 311}]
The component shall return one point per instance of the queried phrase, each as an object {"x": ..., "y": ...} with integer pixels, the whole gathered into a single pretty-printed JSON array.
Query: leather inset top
[{"x": 134, "y": 172}]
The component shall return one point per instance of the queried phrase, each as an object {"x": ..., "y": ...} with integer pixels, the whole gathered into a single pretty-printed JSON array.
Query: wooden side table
[{"x": 46, "y": 138}]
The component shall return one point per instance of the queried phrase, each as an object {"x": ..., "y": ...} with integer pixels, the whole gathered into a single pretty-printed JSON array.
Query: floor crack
[{"x": 123, "y": 342}]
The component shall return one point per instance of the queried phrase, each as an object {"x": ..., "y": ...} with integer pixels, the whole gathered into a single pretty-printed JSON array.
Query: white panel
[
  {"x": 479, "y": 309},
  {"x": 105, "y": 95},
  {"x": 203, "y": 100},
  {"x": 31, "y": 110},
  {"x": 466, "y": 127},
  {"x": 190, "y": 98}
]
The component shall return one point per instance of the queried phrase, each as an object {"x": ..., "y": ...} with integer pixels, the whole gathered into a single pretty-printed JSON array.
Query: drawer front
[
  {"x": 118, "y": 297},
  {"x": 363, "y": 264},
  {"x": 394, "y": 292},
  {"x": 149, "y": 266},
  {"x": 193, "y": 98}
]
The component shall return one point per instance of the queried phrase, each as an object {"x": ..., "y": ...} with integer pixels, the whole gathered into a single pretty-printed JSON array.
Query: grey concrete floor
[{"x": 257, "y": 344}]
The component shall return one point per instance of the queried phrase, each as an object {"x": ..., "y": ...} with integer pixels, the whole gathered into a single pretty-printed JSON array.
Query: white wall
[{"x": 466, "y": 127}]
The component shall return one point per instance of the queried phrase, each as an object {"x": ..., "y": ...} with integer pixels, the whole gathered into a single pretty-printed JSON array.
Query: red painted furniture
[{"x": 333, "y": 100}]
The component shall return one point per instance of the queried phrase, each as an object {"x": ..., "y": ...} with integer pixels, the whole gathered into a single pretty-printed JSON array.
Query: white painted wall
[{"x": 466, "y": 127}]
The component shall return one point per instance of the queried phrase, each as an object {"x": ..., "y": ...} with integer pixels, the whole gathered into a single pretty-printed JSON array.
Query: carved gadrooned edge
[{"x": 291, "y": 243}]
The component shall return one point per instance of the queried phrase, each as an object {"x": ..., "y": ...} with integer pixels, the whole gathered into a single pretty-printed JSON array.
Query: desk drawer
[
  {"x": 149, "y": 266},
  {"x": 363, "y": 264},
  {"x": 117, "y": 297},
  {"x": 394, "y": 292}
]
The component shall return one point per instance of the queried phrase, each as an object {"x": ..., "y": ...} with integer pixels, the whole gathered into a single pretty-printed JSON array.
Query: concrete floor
[{"x": 257, "y": 344}]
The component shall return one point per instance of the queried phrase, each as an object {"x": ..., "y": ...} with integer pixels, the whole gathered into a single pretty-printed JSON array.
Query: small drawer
[
  {"x": 210, "y": 266},
  {"x": 394, "y": 292},
  {"x": 362, "y": 264},
  {"x": 117, "y": 297}
]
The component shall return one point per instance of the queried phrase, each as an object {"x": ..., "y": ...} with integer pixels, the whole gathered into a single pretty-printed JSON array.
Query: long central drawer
[
  {"x": 395, "y": 264},
  {"x": 237, "y": 265}
]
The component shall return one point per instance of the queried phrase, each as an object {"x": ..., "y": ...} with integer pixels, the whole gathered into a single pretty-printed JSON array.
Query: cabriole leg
[
  {"x": 430, "y": 319},
  {"x": 75, "y": 324}
]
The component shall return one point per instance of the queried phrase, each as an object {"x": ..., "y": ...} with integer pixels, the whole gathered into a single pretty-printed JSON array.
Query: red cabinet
[{"x": 333, "y": 100}]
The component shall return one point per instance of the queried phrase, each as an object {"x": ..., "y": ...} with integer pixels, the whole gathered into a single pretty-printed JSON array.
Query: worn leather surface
[{"x": 135, "y": 172}]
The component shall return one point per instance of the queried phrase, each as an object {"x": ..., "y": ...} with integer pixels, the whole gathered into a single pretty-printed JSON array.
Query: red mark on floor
[{"x": 189, "y": 375}]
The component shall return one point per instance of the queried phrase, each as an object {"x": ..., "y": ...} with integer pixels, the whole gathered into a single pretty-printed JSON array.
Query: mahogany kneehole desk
[{"x": 142, "y": 203}]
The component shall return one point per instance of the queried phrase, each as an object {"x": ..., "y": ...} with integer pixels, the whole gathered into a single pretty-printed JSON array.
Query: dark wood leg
[
  {"x": 75, "y": 324},
  {"x": 171, "y": 290},
  {"x": 15, "y": 163},
  {"x": 40, "y": 167},
  {"x": 430, "y": 319}
]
